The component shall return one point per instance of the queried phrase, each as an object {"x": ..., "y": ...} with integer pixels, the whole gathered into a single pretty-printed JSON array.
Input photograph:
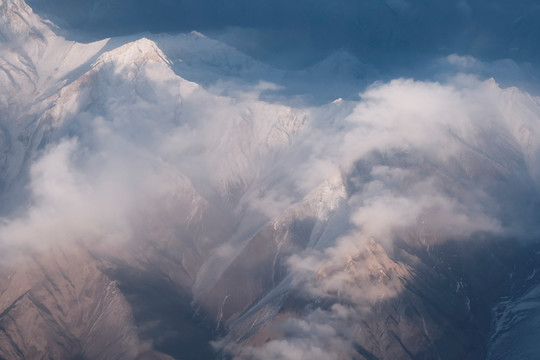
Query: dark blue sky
[{"x": 297, "y": 32}]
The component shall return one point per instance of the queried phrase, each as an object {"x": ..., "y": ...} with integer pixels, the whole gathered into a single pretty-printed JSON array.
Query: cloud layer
[
  {"x": 132, "y": 151},
  {"x": 425, "y": 161}
]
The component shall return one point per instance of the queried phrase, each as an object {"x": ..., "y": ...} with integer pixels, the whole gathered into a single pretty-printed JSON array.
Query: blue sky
[{"x": 293, "y": 33}]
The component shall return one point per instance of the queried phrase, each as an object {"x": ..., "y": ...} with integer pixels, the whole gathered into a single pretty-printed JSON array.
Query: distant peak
[{"x": 197, "y": 34}]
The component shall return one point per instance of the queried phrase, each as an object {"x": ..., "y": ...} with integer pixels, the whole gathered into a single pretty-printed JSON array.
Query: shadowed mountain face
[{"x": 169, "y": 196}]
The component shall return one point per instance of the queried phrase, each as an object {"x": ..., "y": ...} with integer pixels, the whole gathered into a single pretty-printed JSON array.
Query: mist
[{"x": 325, "y": 149}]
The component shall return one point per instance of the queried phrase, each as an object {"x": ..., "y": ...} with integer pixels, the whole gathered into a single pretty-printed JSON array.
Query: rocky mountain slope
[{"x": 166, "y": 196}]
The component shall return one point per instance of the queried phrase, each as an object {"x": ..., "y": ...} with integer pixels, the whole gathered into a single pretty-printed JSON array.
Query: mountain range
[{"x": 167, "y": 196}]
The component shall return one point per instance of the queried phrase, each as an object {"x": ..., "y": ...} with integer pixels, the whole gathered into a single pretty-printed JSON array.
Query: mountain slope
[{"x": 161, "y": 198}]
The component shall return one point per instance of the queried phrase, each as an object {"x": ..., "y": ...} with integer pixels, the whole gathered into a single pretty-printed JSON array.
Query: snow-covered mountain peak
[
  {"x": 140, "y": 51},
  {"x": 205, "y": 60},
  {"x": 196, "y": 48},
  {"x": 18, "y": 23},
  {"x": 35, "y": 61},
  {"x": 217, "y": 187}
]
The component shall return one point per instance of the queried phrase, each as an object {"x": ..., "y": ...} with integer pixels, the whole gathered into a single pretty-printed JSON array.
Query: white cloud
[{"x": 421, "y": 158}]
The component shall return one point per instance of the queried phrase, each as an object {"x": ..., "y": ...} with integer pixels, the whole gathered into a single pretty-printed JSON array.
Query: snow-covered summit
[
  {"x": 36, "y": 61},
  {"x": 140, "y": 51},
  {"x": 19, "y": 23},
  {"x": 175, "y": 160}
]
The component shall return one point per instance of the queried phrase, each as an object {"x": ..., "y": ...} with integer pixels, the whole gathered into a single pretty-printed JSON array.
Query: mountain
[{"x": 168, "y": 196}]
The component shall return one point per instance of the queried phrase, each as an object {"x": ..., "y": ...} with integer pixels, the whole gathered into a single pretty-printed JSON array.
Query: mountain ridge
[{"x": 168, "y": 196}]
